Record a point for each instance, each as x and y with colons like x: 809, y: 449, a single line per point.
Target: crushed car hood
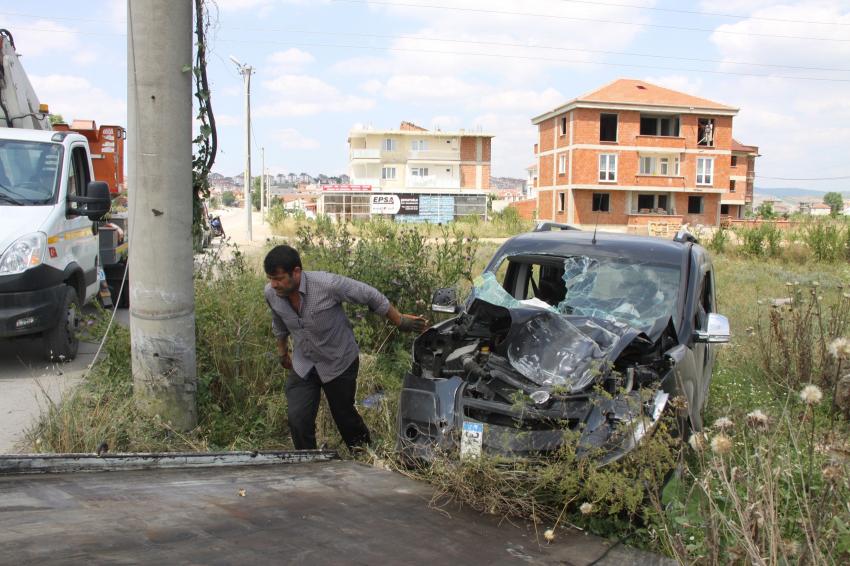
x: 548, y: 348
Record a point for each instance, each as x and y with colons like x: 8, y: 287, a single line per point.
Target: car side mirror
x: 445, y: 300
x: 716, y: 330
x: 96, y: 203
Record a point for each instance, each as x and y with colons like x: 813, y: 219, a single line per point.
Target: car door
x: 704, y: 353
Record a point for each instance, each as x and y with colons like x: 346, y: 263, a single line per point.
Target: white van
x: 49, y: 262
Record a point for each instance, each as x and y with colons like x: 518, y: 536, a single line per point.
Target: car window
x: 607, y: 288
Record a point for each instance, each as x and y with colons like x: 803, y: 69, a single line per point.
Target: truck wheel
x: 62, y: 341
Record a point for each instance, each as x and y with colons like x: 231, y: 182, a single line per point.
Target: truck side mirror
x: 445, y: 300
x: 716, y: 330
x: 96, y: 203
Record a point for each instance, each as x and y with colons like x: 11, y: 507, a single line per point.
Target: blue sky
x: 323, y: 66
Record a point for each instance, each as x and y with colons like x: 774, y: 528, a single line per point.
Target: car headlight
x: 26, y: 252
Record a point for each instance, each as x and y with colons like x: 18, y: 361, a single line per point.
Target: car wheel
x: 62, y: 341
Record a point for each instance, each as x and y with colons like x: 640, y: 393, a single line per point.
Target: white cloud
x: 236, y: 5
x: 528, y: 101
x: 41, y: 37
x: 412, y: 88
x: 76, y: 98
x: 801, y: 126
x: 290, y: 138
x: 304, y: 95
x: 84, y: 57
x: 291, y: 60
x: 227, y: 120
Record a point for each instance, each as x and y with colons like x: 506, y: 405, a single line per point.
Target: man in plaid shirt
x: 307, y: 306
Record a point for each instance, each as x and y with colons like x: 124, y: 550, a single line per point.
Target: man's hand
x: 285, y: 361
x: 412, y: 323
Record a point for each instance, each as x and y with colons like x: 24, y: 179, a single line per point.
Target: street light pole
x: 246, y: 71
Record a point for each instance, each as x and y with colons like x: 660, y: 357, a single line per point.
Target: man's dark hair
x: 281, y: 257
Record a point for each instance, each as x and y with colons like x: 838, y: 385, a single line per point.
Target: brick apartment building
x: 413, y: 174
x: 632, y: 154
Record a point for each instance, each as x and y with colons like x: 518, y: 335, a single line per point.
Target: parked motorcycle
x: 216, y: 226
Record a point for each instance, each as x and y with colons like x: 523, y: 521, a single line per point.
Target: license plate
x: 471, y: 440
x: 101, y: 274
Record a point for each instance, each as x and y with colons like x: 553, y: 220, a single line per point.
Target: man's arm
x: 406, y: 322
x: 283, y: 352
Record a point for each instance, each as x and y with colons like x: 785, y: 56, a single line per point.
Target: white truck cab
x: 48, y: 236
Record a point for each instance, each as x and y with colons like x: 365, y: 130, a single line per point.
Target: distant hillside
x: 504, y: 183
x: 793, y: 192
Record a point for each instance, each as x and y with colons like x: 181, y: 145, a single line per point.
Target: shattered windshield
x: 611, y: 289
x: 635, y: 293
x: 28, y: 172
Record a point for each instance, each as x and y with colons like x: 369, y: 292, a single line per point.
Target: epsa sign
x: 384, y: 204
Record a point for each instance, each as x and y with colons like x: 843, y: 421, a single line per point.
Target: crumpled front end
x: 521, y: 381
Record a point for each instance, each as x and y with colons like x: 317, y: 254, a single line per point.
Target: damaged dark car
x: 567, y: 336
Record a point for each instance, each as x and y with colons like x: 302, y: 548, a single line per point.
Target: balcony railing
x: 433, y: 181
x: 435, y: 154
x: 365, y: 153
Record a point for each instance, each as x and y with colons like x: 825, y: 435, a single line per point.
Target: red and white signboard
x: 384, y: 204
x: 347, y: 188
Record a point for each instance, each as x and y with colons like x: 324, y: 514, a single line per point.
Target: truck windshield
x: 29, y: 172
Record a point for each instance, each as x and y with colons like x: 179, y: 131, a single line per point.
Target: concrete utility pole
x: 246, y: 71
x: 162, y: 304
x: 263, y: 185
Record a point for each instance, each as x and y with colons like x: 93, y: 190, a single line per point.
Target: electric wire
x: 533, y: 46
x: 586, y: 19
x: 484, y: 43
x: 705, y: 13
x: 537, y: 58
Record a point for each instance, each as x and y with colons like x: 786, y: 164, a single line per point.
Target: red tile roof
x: 738, y: 146
x: 640, y: 92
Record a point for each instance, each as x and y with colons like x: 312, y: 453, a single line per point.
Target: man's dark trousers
x: 303, y: 395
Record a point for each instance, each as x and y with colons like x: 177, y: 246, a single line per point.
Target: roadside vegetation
x: 499, y: 224
x: 767, y: 482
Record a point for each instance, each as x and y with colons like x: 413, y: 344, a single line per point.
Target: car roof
x: 607, y: 244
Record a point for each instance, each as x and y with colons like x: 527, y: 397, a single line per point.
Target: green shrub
x: 826, y: 240
x: 394, y: 258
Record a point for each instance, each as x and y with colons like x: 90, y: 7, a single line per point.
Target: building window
x: 734, y: 161
x: 608, y: 167
x: 659, y: 166
x: 562, y: 126
x: 724, y: 209
x: 601, y: 202
x: 562, y: 164
x: 419, y: 171
x: 608, y: 127
x: 694, y: 205
x: 419, y: 145
x: 388, y: 173
x: 389, y: 144
x: 732, y: 186
x: 562, y: 202
x: 667, y: 126
x: 705, y: 131
x: 705, y: 170
x: 649, y: 202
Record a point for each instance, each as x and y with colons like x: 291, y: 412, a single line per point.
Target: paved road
x: 311, y: 513
x: 28, y: 382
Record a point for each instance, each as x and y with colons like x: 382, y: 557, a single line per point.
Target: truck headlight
x: 26, y: 252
